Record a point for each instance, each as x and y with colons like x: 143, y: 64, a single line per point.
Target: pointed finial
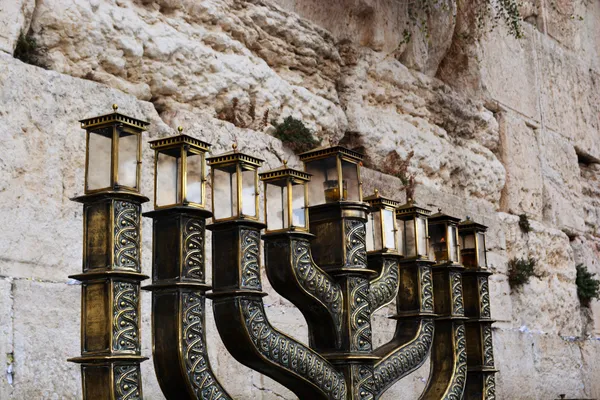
x: 285, y: 163
x: 468, y: 217
x: 439, y: 210
x: 234, y: 146
x: 115, y: 107
x: 180, y: 128
x: 376, y: 192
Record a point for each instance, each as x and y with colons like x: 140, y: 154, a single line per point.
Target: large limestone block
x: 549, y: 301
x: 46, y: 333
x: 509, y: 70
x: 569, y: 95
x: 514, y: 358
x: 212, y: 55
x: 15, y: 16
x: 587, y: 252
x: 590, y: 190
x: 43, y: 165
x: 561, y: 178
x: 520, y: 149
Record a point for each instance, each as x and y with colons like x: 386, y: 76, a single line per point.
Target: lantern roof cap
x: 284, y: 172
x: 411, y: 207
x: 112, y: 118
x: 441, y: 217
x: 377, y: 200
x: 232, y: 157
x: 323, y: 152
x: 179, y: 140
x: 470, y: 224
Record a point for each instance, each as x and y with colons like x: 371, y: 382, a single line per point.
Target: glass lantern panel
x: 481, y: 250
x: 452, y: 244
x: 99, y: 159
x: 400, y: 236
x: 193, y: 187
x: 468, y: 241
x: 410, y: 249
x: 422, y: 236
x: 350, y: 181
x: 390, y: 231
x: 298, y: 206
x: 323, y: 187
x: 128, y: 160
x: 167, y: 180
x: 377, y: 232
x: 224, y: 194
x: 369, y: 238
x: 438, y: 245
x: 276, y: 207
x: 249, y: 190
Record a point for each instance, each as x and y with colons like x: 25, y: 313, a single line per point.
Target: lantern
x: 412, y: 228
x: 179, y: 171
x: 113, y: 152
x: 335, y: 175
x: 286, y: 201
x: 472, y: 243
x: 234, y: 179
x: 382, y: 233
x: 443, y: 238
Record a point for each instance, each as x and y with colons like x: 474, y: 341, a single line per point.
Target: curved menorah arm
x: 244, y: 326
x: 384, y: 287
x: 178, y: 306
x: 295, y: 276
x: 448, y: 362
x: 406, y: 352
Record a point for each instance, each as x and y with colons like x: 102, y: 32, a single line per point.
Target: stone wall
x: 499, y: 127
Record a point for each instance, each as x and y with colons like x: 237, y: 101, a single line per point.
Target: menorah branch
x: 384, y: 287
x: 295, y: 276
x: 244, y: 327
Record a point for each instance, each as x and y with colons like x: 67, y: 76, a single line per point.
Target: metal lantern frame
x: 240, y: 162
x: 341, y: 155
x: 446, y: 221
x: 378, y: 205
x: 478, y: 231
x: 114, y: 125
x: 412, y: 212
x: 287, y: 178
x: 180, y: 146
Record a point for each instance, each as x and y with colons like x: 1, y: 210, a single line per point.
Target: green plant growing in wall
x: 28, y: 51
x: 588, y: 287
x: 520, y: 270
x: 295, y: 135
x: 524, y: 223
x: 488, y: 13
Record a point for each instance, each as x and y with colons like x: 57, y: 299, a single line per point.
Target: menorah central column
x: 340, y: 249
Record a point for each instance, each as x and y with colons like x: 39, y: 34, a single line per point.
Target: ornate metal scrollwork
x: 384, y: 288
x: 193, y: 249
x: 360, y: 314
x: 127, y: 238
x: 484, y: 294
x: 426, y: 289
x: 457, y: 294
x: 459, y: 376
x: 289, y: 354
x: 127, y: 382
x: 316, y: 282
x: 250, y: 259
x: 356, y: 247
x: 125, y: 321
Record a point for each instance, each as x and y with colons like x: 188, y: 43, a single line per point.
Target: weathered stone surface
x: 6, y: 338
x: 43, y: 344
x: 16, y: 16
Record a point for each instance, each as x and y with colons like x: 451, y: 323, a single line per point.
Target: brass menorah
x: 338, y: 259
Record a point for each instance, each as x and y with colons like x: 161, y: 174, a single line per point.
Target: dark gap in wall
x: 584, y: 158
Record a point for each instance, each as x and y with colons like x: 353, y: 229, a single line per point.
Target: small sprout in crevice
x: 588, y: 287
x: 397, y: 166
x: 28, y: 51
x: 524, y: 223
x: 520, y: 270
x: 295, y: 135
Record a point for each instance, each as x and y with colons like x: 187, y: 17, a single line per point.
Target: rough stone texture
x: 498, y: 127
x: 16, y: 15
